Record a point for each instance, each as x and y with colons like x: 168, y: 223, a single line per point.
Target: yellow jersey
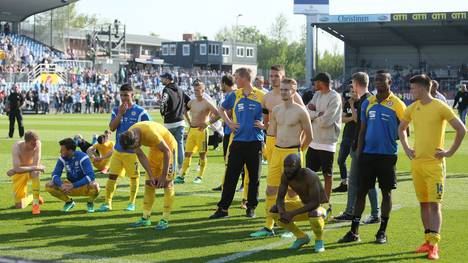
x: 104, y: 148
x: 429, y: 122
x: 153, y: 133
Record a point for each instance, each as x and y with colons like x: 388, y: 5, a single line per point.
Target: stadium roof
x: 19, y: 10
x: 394, y: 33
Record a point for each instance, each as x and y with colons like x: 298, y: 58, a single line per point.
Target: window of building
x: 213, y: 49
x: 186, y: 50
x: 249, y: 52
x: 172, y: 50
x: 240, y: 51
x: 226, y: 50
x: 202, y: 49
x: 165, y: 50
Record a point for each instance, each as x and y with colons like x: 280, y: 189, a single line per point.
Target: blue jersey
x: 227, y: 130
x: 382, y: 120
x: 245, y: 111
x: 133, y: 115
x: 79, y: 170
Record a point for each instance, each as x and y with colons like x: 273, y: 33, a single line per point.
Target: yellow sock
x: 434, y: 238
x: 291, y: 227
x: 427, y: 237
x: 317, y: 224
x: 148, y: 201
x: 168, y: 202
x: 55, y: 192
x: 27, y: 200
x: 93, y: 194
x: 203, y: 163
x: 270, y: 201
x: 36, y: 186
x: 185, y: 165
x: 245, y: 194
x: 110, y: 190
x: 134, y: 185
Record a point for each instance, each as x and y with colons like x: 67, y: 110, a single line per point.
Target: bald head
x: 292, y: 165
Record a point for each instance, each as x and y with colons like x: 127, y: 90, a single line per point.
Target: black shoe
x: 219, y: 214
x: 342, y: 188
x: 219, y: 188
x: 343, y: 217
x: 250, y: 212
x: 380, y: 238
x: 349, y: 237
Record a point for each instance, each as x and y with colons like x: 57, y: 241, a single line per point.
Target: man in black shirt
x: 461, y: 102
x: 173, y: 106
x: 15, y: 101
x: 349, y: 104
x: 360, y: 83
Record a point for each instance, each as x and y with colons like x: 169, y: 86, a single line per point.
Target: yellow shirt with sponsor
x: 104, y: 148
x: 153, y: 133
x: 429, y: 122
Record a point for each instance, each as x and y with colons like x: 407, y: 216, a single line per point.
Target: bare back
x: 289, y: 124
x: 200, y: 111
x: 308, y: 186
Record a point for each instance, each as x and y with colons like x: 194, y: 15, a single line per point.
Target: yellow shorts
x: 276, y: 164
x: 197, y: 141
x: 80, y: 191
x: 122, y: 163
x: 156, y: 158
x: 294, y: 205
x: 428, y: 180
x: 269, y: 146
x: 102, y: 164
x: 20, y: 186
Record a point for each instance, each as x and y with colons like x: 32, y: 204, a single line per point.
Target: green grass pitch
x: 191, y: 237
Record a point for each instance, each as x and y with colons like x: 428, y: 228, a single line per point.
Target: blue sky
x: 170, y: 19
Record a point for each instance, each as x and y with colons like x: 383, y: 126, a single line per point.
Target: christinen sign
x: 350, y: 18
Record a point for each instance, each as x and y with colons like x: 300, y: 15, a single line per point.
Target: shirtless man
x: 26, y: 156
x: 290, y: 124
x: 307, y: 185
x: 270, y: 100
x: 197, y: 138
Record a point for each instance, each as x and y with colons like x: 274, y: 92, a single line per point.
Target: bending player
x: 159, y: 165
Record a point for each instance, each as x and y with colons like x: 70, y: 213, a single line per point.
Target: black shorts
x: 377, y: 166
x: 317, y: 160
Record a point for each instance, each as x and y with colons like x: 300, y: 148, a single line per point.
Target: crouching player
x: 101, y: 153
x: 80, y: 177
x: 307, y: 185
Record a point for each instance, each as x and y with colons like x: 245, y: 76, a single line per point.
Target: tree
x: 331, y: 62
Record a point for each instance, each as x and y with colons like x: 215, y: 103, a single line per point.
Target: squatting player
x: 26, y: 156
x: 307, y: 185
x: 80, y: 177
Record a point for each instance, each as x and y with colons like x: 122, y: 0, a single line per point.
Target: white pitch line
x: 279, y: 243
